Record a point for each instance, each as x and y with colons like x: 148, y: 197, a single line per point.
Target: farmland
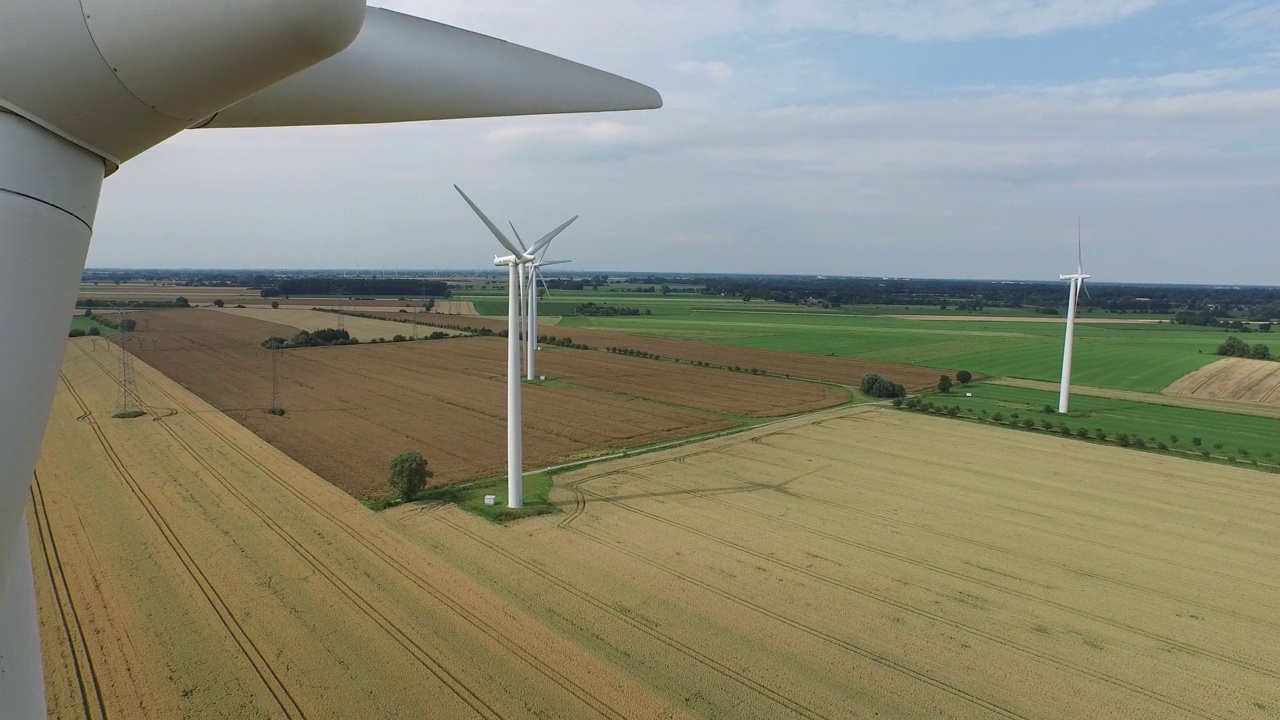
x: 856, y: 562
x: 1122, y: 355
x: 1239, y: 379
x: 1222, y: 433
x: 364, y: 329
x: 351, y: 409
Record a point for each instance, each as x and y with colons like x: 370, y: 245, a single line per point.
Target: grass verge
x: 470, y: 497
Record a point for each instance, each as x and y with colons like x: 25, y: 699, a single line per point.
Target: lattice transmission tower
x: 127, y: 399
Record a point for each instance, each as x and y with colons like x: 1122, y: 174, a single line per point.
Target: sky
x: 906, y: 138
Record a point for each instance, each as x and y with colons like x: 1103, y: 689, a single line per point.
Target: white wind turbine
x: 1077, y: 284
x: 86, y: 85
x: 534, y: 277
x: 520, y: 256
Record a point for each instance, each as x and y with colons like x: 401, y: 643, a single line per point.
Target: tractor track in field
x: 905, y: 607
x: 86, y: 673
x: 429, y: 662
x: 424, y: 658
x: 671, y: 642
x: 261, y: 666
x: 805, y: 628
x: 957, y: 538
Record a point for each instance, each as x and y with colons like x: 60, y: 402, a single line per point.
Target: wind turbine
x: 515, y: 262
x: 86, y: 85
x: 1077, y: 284
x: 535, y: 276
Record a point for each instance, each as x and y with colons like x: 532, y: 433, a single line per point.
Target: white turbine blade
x: 553, y: 262
x: 543, y: 280
x: 1085, y: 289
x: 403, y: 68
x: 545, y: 239
x: 489, y: 224
x: 519, y: 240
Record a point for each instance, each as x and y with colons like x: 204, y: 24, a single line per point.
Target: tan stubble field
x: 847, y: 564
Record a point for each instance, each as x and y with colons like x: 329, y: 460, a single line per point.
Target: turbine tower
x: 1077, y: 284
x: 531, y: 323
x: 86, y: 85
x: 515, y: 262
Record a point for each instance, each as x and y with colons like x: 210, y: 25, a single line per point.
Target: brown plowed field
x: 856, y: 563
x: 187, y: 569
x: 351, y: 409
x: 844, y: 371
x: 1239, y: 379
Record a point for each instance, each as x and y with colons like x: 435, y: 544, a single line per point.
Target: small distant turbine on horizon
x: 1077, y: 284
x: 520, y: 257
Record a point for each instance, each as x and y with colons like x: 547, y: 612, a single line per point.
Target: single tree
x: 944, y: 384
x: 1258, y: 351
x: 1196, y: 441
x: 181, y: 302
x: 275, y: 304
x: 964, y: 376
x: 218, y: 302
x: 408, y: 474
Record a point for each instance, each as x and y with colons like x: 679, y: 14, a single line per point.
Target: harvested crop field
x: 363, y: 329
x: 1238, y: 379
x: 873, y: 561
x: 856, y: 563
x: 187, y: 569
x: 351, y: 409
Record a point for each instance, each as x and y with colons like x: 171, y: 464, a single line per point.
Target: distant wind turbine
x: 1077, y: 284
x: 531, y: 323
x: 515, y: 262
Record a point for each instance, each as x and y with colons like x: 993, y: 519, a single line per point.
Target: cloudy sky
x: 924, y: 138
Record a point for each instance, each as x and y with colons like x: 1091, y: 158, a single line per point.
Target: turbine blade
x: 545, y: 239
x: 489, y: 224
x: 543, y: 280
x: 1079, y: 249
x: 404, y: 68
x: 553, y: 262
x: 519, y: 240
x: 1085, y: 289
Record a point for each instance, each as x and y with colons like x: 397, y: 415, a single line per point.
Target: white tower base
x: 531, y: 340
x: 48, y: 197
x: 1068, y: 348
x: 515, y: 449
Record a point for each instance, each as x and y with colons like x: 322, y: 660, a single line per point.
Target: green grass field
x: 1234, y: 432
x: 1142, y: 357
x: 81, y: 322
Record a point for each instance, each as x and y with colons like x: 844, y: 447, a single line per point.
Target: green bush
x: 963, y: 377
x: 407, y: 474
x: 944, y: 384
x: 76, y: 332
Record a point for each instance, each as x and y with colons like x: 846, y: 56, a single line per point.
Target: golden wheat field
x: 851, y: 563
x: 1240, y: 379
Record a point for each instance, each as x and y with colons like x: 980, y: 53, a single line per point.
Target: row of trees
x: 307, y: 338
x: 593, y: 309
